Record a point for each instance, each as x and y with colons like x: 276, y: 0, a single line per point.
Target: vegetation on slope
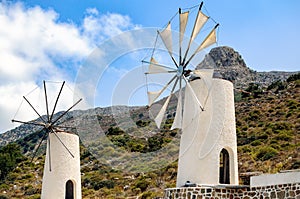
x: 268, y: 126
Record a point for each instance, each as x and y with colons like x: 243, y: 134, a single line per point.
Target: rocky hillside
x: 267, y: 120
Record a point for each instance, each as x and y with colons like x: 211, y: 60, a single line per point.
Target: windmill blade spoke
x: 62, y: 142
x: 152, y: 96
x: 206, y: 75
x: 33, y: 108
x: 41, y: 141
x: 209, y: 40
x: 193, y: 93
x: 155, y: 68
x: 33, y: 123
x: 49, y: 152
x: 56, y: 101
x: 166, y: 36
x: 158, y: 119
x: 200, y: 21
x: 66, y: 112
x: 46, y: 100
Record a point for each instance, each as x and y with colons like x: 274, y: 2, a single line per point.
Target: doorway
x: 224, y: 177
x: 69, y: 190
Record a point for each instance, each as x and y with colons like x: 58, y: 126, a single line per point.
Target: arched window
x: 69, y: 190
x: 224, y: 167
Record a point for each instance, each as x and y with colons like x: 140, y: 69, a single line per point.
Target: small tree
x: 10, y: 156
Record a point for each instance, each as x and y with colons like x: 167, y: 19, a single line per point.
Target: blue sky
x: 265, y: 32
x: 51, y: 39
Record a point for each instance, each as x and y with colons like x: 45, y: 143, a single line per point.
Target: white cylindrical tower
x: 208, y: 147
x: 64, y: 179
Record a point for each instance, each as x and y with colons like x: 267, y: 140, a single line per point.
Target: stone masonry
x: 280, y: 191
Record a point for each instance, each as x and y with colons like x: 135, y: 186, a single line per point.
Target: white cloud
x: 36, y: 45
x: 109, y: 24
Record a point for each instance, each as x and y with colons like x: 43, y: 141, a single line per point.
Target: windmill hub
x: 47, y: 125
x: 180, y: 70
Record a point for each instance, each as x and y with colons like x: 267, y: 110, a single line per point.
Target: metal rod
x: 49, y: 152
x: 170, y: 53
x: 180, y: 58
x: 36, y: 150
x: 174, y: 61
x: 56, y: 100
x: 164, y: 88
x: 66, y: 112
x: 196, y: 51
x: 62, y: 143
x: 148, y: 62
x: 46, y: 99
x: 194, y: 94
x: 36, y: 124
x: 33, y: 108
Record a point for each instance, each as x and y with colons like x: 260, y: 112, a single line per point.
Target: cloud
x: 35, y: 45
x: 109, y: 25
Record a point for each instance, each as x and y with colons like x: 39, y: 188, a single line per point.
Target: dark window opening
x: 69, y: 190
x: 224, y: 167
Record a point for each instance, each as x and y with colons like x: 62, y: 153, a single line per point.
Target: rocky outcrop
x: 229, y: 64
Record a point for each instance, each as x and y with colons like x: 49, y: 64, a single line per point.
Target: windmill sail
x: 183, y: 73
x: 161, y: 113
x: 209, y: 40
x: 166, y: 36
x: 154, y: 67
x: 207, y: 75
x: 178, y: 117
x: 152, y: 96
x: 183, y: 19
x: 199, y: 23
x: 158, y: 119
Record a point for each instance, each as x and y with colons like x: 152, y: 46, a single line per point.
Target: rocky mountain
x: 229, y: 64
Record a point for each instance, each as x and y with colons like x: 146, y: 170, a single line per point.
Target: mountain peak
x: 225, y: 56
x: 228, y: 64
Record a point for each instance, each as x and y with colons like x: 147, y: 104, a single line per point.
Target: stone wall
x: 281, y: 191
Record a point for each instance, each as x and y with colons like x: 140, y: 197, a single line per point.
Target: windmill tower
x: 204, y: 113
x: 61, y: 178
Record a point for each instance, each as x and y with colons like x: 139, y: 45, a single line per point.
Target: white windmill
x: 61, y: 178
x: 205, y: 112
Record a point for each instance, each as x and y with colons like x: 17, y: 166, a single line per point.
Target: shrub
x: 105, y: 183
x: 114, y: 131
x: 283, y: 136
x: 155, y: 143
x: 266, y: 153
x: 255, y: 143
x: 142, y: 123
x: 293, y: 77
x: 148, y: 195
x: 142, y: 184
x: 278, y: 85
